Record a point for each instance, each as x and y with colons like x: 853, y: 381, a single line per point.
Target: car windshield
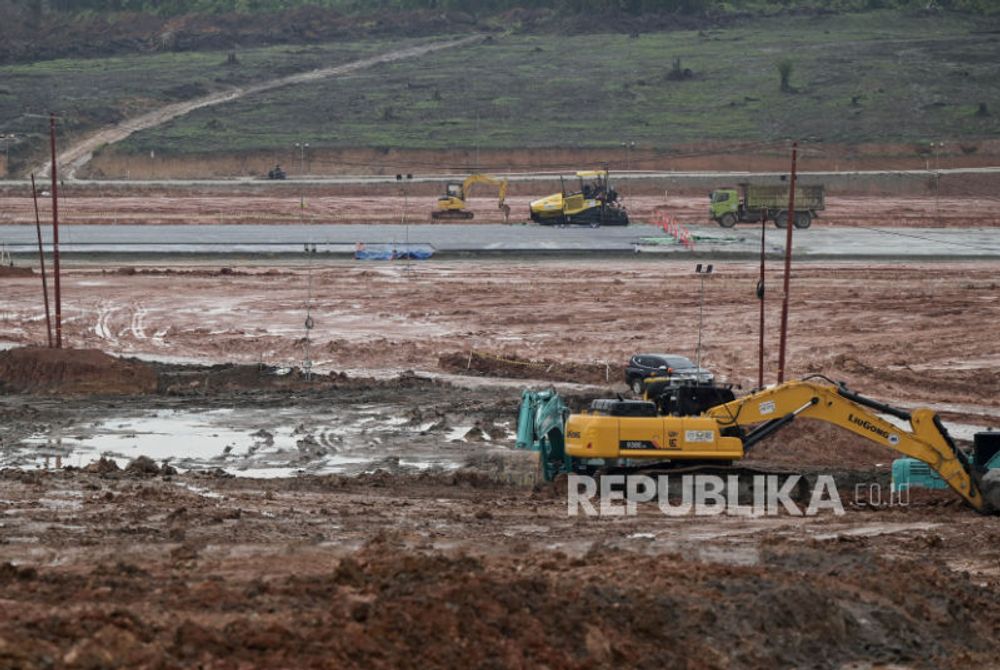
x: 674, y: 362
x: 720, y: 196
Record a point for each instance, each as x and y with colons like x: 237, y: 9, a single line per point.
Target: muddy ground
x: 946, y: 211
x: 145, y: 566
x: 135, y: 569
x: 386, y: 521
x: 909, y: 332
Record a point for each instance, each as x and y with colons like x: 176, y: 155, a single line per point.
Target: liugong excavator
x: 452, y: 206
x: 707, y: 425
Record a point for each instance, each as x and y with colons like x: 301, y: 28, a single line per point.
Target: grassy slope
x: 920, y: 78
x: 90, y: 93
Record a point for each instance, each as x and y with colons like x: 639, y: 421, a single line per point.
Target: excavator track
x: 452, y: 215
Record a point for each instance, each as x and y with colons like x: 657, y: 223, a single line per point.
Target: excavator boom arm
x: 474, y: 179
x: 925, y: 439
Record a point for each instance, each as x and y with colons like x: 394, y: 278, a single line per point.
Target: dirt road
x: 77, y: 155
x: 842, y: 211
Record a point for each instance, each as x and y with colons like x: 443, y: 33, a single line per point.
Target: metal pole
x: 702, y: 272
x: 302, y: 169
x: 41, y: 261
x: 406, y: 227
x: 790, y: 223
x: 307, y: 361
x: 937, y: 182
x: 701, y: 317
x: 760, y: 296
x: 55, y: 231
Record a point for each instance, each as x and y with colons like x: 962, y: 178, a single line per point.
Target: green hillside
x: 875, y: 77
x: 91, y: 93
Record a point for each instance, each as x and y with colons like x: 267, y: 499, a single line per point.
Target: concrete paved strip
x: 818, y: 241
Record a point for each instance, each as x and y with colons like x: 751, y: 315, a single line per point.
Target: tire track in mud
x: 138, y: 326
x: 103, y: 327
x: 80, y: 153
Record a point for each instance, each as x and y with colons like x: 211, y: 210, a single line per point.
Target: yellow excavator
x: 452, y: 206
x: 696, y: 425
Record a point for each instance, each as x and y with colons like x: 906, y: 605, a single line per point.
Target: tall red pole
x: 789, y: 224
x: 760, y: 296
x: 55, y: 231
x: 41, y: 261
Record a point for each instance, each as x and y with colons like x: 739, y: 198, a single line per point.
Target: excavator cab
x: 680, y: 399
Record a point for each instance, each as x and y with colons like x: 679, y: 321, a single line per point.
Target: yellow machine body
x: 714, y: 435
x: 663, y: 438
x: 558, y: 204
x: 593, y: 203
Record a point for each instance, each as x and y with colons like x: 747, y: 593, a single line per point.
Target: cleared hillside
x: 90, y: 93
x: 880, y: 77
x: 894, y: 78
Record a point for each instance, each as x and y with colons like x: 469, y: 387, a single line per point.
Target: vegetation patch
x: 876, y: 77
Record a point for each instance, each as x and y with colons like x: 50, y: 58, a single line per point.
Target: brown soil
x: 822, y: 446
x: 72, y: 372
x: 515, y: 367
x: 712, y: 157
x: 198, y: 380
x: 108, y: 567
x: 15, y: 271
x: 907, y: 332
x: 947, y: 209
x: 133, y: 569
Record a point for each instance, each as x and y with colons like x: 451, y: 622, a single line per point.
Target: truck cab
x: 723, y: 202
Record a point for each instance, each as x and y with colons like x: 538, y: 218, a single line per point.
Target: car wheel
x: 637, y: 386
x: 727, y: 220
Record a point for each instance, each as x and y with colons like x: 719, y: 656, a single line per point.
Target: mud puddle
x: 262, y: 442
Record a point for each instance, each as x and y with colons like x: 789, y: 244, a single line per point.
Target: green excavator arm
x: 540, y: 428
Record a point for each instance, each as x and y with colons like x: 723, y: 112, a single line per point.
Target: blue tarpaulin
x: 393, y: 253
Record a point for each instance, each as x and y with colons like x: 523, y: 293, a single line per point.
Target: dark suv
x: 669, y: 366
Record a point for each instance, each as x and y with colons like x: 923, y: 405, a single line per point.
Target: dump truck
x: 748, y: 203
